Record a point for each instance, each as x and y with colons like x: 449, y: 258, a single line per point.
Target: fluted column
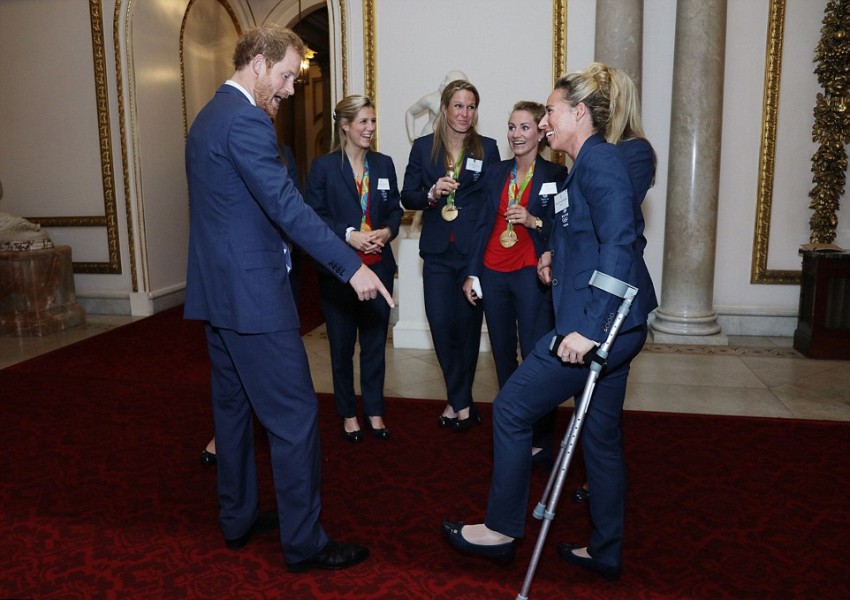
x: 619, y: 35
x: 687, y: 313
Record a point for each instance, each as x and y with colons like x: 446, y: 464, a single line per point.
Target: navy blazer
x: 242, y: 204
x: 597, y: 231
x: 422, y: 172
x: 332, y: 193
x: 539, y: 204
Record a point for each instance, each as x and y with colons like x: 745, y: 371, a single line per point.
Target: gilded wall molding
x: 767, y: 153
x: 109, y: 219
x: 369, y: 52
x: 125, y: 169
x: 343, y: 43
x: 559, y: 39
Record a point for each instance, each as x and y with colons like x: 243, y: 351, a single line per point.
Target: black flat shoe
x: 473, y: 419
x: 543, y: 459
x: 446, y: 422
x: 609, y: 572
x: 581, y: 494
x: 266, y: 521
x: 208, y: 458
x: 502, y: 553
x: 353, y: 436
x: 382, y: 434
x: 333, y: 556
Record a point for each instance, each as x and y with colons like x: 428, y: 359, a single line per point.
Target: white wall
x: 50, y: 155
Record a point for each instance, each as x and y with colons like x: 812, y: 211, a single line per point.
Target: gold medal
x: 449, y: 212
x: 508, y: 238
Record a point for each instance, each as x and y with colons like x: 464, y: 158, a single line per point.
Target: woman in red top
x: 511, y: 234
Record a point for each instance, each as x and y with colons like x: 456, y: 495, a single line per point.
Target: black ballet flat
x: 382, y: 434
x: 501, y: 553
x: 447, y: 422
x: 543, y: 459
x: 463, y: 424
x: 352, y: 436
x: 208, y: 458
x: 581, y: 494
x: 609, y: 572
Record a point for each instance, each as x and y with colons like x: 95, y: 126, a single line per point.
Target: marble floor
x: 753, y: 376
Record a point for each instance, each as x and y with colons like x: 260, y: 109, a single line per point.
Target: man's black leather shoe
x: 266, y: 521
x: 333, y: 556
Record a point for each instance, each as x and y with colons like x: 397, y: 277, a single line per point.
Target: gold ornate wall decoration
x: 369, y: 53
x: 109, y: 220
x: 343, y: 39
x: 832, y: 121
x: 232, y: 14
x: 559, y: 39
x: 759, y: 272
x: 125, y: 169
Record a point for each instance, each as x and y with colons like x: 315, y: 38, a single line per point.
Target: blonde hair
x: 591, y: 88
x: 345, y: 112
x: 472, y: 142
x: 625, y: 122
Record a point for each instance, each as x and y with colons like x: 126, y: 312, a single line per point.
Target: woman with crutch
x: 594, y: 230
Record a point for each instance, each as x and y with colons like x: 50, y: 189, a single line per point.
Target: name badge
x: 474, y: 165
x: 548, y: 188
x: 383, y: 183
x: 562, y: 201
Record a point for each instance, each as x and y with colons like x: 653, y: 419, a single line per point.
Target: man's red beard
x: 265, y: 97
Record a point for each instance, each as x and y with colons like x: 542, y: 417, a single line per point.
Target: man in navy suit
x: 244, y: 208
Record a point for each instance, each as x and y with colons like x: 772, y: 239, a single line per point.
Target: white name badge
x: 562, y: 201
x: 548, y: 188
x: 474, y: 165
x: 383, y: 183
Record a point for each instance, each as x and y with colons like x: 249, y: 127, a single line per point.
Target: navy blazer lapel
x: 347, y: 174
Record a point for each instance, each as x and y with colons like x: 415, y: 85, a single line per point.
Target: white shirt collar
x: 243, y: 90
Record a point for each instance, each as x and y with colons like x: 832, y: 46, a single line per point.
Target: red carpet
x: 102, y: 495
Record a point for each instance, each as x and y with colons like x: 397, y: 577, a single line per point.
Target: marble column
x: 619, y: 35
x: 686, y: 314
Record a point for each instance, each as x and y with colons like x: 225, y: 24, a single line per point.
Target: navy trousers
x: 267, y: 375
x: 345, y: 317
x: 541, y: 383
x: 518, y: 308
x: 455, y: 324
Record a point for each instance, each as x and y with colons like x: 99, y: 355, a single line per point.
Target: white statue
x: 428, y: 104
x: 17, y: 233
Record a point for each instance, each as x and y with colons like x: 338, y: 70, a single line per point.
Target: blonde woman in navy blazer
x: 512, y: 234
x: 594, y: 230
x: 444, y: 179
x: 355, y: 191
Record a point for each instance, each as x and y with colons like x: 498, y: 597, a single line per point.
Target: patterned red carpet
x: 102, y: 495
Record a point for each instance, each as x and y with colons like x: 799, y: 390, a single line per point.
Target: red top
x: 522, y: 254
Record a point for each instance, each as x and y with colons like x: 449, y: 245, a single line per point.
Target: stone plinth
x: 37, y: 295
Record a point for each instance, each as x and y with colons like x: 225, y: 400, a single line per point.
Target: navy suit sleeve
x: 393, y: 210
x: 606, y: 186
x: 253, y: 149
x: 414, y: 193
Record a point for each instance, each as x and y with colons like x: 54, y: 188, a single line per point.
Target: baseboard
x: 133, y: 304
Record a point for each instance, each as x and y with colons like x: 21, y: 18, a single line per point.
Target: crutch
x: 546, y: 510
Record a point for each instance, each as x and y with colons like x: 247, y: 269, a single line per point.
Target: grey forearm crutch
x: 546, y: 510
